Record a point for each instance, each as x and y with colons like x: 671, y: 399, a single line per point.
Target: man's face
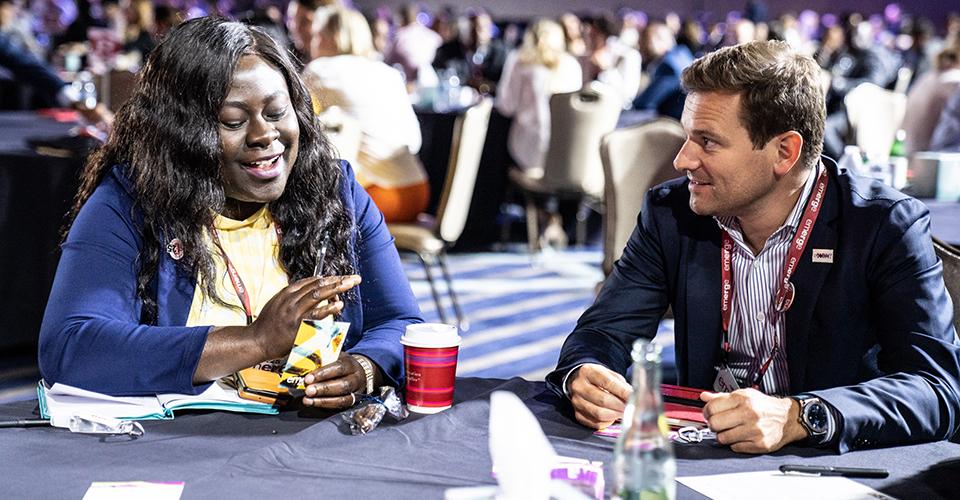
x: 727, y: 176
x: 299, y: 20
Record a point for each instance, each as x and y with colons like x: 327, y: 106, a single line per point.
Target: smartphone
x: 261, y: 385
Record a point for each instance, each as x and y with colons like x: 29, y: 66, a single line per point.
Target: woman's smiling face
x: 259, y: 135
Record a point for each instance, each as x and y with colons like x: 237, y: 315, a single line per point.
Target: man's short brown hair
x: 779, y: 91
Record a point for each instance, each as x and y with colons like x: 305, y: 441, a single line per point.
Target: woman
x: 538, y: 69
x: 344, y: 74
x: 216, y: 162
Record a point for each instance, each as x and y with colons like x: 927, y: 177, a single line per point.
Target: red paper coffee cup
x: 430, y: 360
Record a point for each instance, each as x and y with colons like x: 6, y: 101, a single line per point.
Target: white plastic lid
x: 431, y: 335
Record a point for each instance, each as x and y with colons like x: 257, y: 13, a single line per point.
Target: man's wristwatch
x: 815, y: 418
x: 367, y: 366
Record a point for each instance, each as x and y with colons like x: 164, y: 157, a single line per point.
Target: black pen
x: 25, y: 422
x: 824, y: 470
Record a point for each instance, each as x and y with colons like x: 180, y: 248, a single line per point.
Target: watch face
x: 815, y: 416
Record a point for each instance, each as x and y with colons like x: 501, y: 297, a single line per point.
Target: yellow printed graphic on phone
x: 318, y: 344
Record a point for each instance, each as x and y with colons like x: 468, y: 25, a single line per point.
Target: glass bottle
x: 898, y: 161
x: 643, y: 462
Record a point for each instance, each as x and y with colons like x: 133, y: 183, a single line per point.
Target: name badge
x: 823, y: 255
x: 725, y: 381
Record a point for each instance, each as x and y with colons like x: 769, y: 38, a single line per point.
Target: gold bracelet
x: 367, y: 366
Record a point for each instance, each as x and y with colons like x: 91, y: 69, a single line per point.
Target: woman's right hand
x: 310, y: 298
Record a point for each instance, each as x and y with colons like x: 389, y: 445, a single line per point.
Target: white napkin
x: 522, y: 455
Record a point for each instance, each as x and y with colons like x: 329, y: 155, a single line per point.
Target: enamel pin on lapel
x: 823, y: 255
x: 175, y: 249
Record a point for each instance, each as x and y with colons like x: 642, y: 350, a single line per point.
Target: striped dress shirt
x: 755, y: 325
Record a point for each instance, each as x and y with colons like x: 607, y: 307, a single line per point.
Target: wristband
x: 367, y: 366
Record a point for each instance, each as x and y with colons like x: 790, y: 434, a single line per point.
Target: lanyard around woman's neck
x: 235, y: 279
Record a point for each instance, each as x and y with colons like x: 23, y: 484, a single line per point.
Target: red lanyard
x: 238, y: 285
x: 783, y: 299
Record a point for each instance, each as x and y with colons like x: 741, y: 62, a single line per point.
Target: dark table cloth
x: 945, y: 220
x: 292, y: 455
x: 35, y: 193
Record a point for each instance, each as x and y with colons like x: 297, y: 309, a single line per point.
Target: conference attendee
x: 477, y: 58
x: 345, y: 74
x: 27, y: 69
x: 667, y: 60
x: 856, y: 62
x: 78, y: 30
x: 16, y: 24
x: 573, y: 34
x: 928, y: 98
x: 609, y: 61
x: 300, y: 21
x: 946, y: 135
x: 138, y: 36
x: 534, y: 72
x: 198, y: 227
x: 808, y: 302
x: 413, y: 46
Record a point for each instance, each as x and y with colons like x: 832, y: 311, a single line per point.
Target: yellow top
x: 254, y: 250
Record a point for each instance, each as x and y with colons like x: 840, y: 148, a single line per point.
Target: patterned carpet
x: 520, y: 310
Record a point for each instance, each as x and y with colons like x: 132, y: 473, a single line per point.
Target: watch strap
x: 367, y: 366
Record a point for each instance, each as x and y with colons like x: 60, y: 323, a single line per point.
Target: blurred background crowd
x: 361, y: 58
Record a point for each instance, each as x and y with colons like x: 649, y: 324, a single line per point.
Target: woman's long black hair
x: 167, y: 135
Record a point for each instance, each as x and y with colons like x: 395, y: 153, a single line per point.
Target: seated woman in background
x: 540, y: 68
x: 217, y: 163
x: 344, y: 74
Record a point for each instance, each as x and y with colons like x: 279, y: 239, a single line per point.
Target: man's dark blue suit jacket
x: 870, y: 333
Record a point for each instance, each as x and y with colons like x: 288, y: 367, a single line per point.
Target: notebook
x: 61, y: 401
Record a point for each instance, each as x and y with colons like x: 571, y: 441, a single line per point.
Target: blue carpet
x: 520, y: 309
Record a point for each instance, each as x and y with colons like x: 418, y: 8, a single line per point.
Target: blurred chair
x: 950, y: 256
x: 430, y: 238
x: 634, y: 160
x: 115, y: 88
x: 875, y: 115
x: 572, y: 169
x: 343, y: 132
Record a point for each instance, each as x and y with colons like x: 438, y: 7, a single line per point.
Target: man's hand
x: 752, y: 422
x: 598, y: 394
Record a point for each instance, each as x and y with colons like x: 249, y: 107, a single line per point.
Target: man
x: 609, y: 61
x: 667, y: 60
x: 478, y: 59
x: 299, y: 20
x: 859, y: 333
